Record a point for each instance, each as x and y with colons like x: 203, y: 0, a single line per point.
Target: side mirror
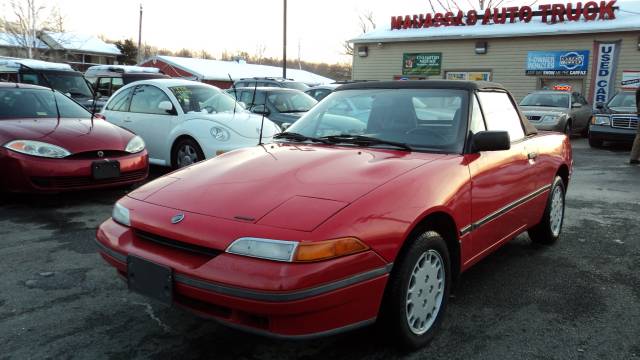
x: 490, y: 141
x: 260, y: 109
x: 285, y: 126
x: 167, y: 106
x: 599, y: 105
x: 576, y: 105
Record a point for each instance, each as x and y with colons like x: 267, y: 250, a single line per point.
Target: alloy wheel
x: 187, y: 155
x: 557, y: 211
x: 425, y: 292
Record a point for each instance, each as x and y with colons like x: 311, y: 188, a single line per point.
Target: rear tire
x: 568, y: 129
x: 548, y: 230
x: 417, y: 293
x: 186, y: 152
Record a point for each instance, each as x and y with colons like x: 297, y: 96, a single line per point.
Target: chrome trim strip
x: 114, y: 254
x: 503, y: 210
x: 288, y: 296
x: 269, y: 334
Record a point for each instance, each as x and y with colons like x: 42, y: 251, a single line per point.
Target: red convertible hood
x: 279, y: 180
x: 75, y: 135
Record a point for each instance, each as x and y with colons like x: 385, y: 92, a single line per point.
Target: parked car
x: 184, y: 121
x: 340, y: 223
x: 558, y: 111
x: 282, y: 106
x: 271, y: 82
x: 321, y: 91
x: 107, y: 79
x: 616, y: 121
x: 53, y: 75
x: 52, y: 144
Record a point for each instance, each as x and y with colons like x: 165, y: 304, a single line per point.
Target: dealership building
x: 592, y: 48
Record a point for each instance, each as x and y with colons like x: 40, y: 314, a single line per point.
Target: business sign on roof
x: 572, y: 63
x: 548, y: 13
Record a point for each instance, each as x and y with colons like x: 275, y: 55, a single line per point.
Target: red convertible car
x: 49, y: 143
x: 346, y: 219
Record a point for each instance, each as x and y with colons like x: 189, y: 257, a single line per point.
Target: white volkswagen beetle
x: 184, y: 121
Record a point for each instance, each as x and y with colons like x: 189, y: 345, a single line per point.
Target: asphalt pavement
x: 578, y: 299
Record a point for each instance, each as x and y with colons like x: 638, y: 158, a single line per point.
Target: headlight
x: 135, y: 145
x: 294, y: 251
x: 120, y: 214
x: 219, y: 133
x: 600, y: 120
x: 551, y: 119
x: 37, y: 148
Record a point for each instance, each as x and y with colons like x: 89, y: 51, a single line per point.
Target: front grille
x: 161, y: 240
x: 624, y: 122
x: 66, y: 182
x: 106, y: 154
x: 533, y: 117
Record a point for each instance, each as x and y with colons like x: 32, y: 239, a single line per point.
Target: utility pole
x: 284, y: 42
x: 140, y: 37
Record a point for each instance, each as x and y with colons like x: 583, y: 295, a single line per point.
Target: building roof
x: 10, y: 40
x: 205, y: 69
x: 627, y: 19
x: 80, y: 43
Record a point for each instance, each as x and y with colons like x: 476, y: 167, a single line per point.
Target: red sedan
x: 49, y: 143
x: 351, y: 216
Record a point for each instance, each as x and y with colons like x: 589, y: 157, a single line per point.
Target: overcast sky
x: 320, y: 26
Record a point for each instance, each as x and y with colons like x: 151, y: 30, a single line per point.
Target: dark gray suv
x: 282, y: 106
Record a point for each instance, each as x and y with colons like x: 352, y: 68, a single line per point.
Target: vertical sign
x: 604, y: 74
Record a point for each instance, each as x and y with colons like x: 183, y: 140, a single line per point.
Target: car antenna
x: 253, y: 100
x: 55, y: 101
x: 235, y: 94
x: 93, y: 103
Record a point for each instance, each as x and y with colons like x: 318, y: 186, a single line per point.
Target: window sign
x: 630, y: 79
x: 421, y: 64
x: 574, y: 62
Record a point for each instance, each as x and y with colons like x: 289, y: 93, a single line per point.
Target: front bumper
x: 608, y: 133
x: 271, y: 298
x: 25, y: 173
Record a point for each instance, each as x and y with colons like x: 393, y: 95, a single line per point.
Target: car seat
x: 392, y: 113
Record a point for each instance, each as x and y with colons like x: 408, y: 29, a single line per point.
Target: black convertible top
x: 423, y: 84
x: 438, y: 84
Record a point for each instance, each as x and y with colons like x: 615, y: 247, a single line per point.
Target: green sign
x: 421, y: 64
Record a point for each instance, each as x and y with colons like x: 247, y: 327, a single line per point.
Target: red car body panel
x: 83, y: 138
x: 378, y: 196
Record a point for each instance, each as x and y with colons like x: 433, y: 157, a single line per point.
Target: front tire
x: 568, y: 129
x: 548, y: 230
x: 418, y: 292
x: 186, y: 152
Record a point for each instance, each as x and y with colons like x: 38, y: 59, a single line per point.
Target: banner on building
x: 421, y: 64
x: 554, y: 63
x: 630, y: 79
x: 605, y: 61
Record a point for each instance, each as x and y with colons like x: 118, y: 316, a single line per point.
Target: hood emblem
x: 100, y: 153
x: 177, y: 218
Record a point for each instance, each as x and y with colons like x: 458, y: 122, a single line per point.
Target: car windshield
x: 202, y: 98
x: 291, y: 101
x: 546, y: 100
x: 72, y: 84
x: 422, y: 119
x: 624, y: 99
x: 297, y: 85
x: 17, y: 103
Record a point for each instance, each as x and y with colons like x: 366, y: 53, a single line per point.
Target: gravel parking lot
x: 579, y: 299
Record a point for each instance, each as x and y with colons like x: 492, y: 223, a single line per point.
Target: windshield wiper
x: 364, y: 141
x: 299, y: 137
x: 293, y: 111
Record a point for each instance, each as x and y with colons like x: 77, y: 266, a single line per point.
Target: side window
x: 121, y: 101
x: 29, y: 79
x: 477, y: 121
x: 104, y: 86
x: 116, y: 83
x: 146, y: 99
x: 500, y: 114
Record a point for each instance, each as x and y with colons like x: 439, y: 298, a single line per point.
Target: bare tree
x: 261, y: 48
x: 29, y: 18
x: 367, y: 23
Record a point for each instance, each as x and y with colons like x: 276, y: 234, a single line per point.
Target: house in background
x: 79, y: 51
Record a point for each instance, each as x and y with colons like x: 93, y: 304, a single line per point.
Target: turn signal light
x: 323, y: 250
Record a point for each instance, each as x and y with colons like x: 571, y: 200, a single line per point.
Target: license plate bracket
x: 106, y: 169
x: 150, y: 279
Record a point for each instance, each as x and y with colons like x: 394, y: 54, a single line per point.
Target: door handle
x: 532, y: 155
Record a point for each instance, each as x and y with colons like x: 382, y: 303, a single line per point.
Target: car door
x: 152, y: 123
x: 581, y: 112
x: 502, y: 181
x: 117, y: 108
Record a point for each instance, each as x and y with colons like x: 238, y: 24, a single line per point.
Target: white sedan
x: 183, y: 121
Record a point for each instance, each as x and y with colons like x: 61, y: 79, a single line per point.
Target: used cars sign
x: 564, y: 63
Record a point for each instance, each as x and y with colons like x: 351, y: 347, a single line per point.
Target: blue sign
x: 574, y: 62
